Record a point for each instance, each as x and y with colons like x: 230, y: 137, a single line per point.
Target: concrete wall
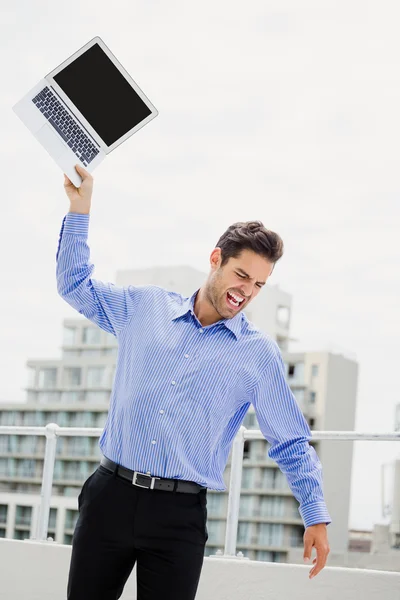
x: 382, y: 561
x: 45, y: 572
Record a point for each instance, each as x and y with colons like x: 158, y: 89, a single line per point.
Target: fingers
x: 319, y: 561
x: 82, y: 172
x: 308, y: 544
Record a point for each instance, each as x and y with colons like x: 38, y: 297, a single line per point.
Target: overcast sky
x: 283, y: 111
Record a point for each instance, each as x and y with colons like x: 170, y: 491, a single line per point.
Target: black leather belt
x: 152, y: 483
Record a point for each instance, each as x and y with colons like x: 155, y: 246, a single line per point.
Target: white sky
x: 283, y: 111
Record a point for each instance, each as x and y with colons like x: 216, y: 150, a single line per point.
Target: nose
x: 247, y: 290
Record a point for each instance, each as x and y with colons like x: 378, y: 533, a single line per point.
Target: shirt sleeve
x: 105, y: 304
x: 283, y: 425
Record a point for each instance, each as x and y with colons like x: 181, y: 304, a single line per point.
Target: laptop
x: 85, y: 108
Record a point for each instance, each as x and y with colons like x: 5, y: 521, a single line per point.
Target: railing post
x: 47, y: 482
x: 235, y: 486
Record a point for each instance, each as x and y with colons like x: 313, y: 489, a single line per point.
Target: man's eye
x: 241, y: 276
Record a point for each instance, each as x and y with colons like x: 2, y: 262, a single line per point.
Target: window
x: 246, y: 446
x: 26, y: 467
x: 313, y: 397
x: 52, y: 518
x: 250, y: 421
x: 96, y: 376
x: 81, y: 419
x: 274, y: 479
x: 314, y: 370
x: 3, y: 513
x: 71, y: 517
x: 78, y: 446
x: 7, y: 417
x: 70, y: 397
x: 27, y: 444
x: 272, y: 506
x: 101, y: 419
x: 247, y: 478
x: 296, y: 537
x: 268, y: 478
x: 296, y: 372
x: 271, y: 534
x: 72, y: 376
x: 21, y: 535
x: 216, y: 531
x: 264, y: 555
x: 48, y: 397
x: 23, y: 515
x: 69, y: 336
x: 216, y: 504
x: 243, y: 535
x: 47, y: 378
x: 67, y: 539
x: 245, y: 506
x: 91, y: 335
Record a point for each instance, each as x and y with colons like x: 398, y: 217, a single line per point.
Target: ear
x: 215, y: 258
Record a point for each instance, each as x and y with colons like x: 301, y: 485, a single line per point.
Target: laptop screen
x: 102, y: 94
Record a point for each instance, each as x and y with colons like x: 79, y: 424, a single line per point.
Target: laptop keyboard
x: 66, y: 126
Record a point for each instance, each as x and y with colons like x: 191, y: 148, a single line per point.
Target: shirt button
x: 153, y: 442
x: 201, y: 330
x: 173, y: 382
x: 148, y: 472
x: 186, y: 355
x: 162, y: 412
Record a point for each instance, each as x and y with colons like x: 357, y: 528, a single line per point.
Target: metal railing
x: 52, y: 431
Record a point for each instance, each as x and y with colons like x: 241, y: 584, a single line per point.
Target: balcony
x: 225, y: 575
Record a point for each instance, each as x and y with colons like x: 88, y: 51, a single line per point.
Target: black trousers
x: 120, y: 525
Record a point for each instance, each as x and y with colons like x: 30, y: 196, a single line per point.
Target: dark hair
x: 250, y: 235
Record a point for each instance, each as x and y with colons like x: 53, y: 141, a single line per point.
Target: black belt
x: 149, y: 482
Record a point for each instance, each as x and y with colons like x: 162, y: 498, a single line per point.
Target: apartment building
x: 74, y: 391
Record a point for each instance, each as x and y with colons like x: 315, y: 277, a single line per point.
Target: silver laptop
x: 85, y: 108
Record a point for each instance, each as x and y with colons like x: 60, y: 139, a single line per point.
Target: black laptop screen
x: 102, y: 94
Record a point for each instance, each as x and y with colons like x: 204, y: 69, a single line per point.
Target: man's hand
x: 80, y: 198
x: 316, y: 536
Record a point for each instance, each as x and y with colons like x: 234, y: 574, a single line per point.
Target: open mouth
x: 233, y: 300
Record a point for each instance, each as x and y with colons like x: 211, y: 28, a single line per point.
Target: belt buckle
x: 136, y: 473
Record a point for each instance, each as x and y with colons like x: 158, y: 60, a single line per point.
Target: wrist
x: 78, y: 211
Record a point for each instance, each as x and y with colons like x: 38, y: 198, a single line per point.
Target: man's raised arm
x: 106, y: 304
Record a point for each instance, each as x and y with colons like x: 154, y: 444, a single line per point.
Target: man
x: 187, y: 372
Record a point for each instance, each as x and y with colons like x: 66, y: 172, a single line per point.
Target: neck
x: 204, y: 310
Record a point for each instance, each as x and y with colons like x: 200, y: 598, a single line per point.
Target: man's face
x: 241, y: 279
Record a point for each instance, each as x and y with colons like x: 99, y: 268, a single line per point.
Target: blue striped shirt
x: 181, y: 390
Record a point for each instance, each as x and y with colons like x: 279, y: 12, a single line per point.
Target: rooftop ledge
x: 45, y: 566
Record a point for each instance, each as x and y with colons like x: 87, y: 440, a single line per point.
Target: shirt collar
x: 234, y: 324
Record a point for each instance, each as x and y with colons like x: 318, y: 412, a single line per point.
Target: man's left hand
x: 316, y: 536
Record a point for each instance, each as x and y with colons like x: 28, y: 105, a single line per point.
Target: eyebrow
x: 248, y: 276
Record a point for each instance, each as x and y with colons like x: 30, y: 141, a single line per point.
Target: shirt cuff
x: 76, y: 223
x: 314, y: 513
